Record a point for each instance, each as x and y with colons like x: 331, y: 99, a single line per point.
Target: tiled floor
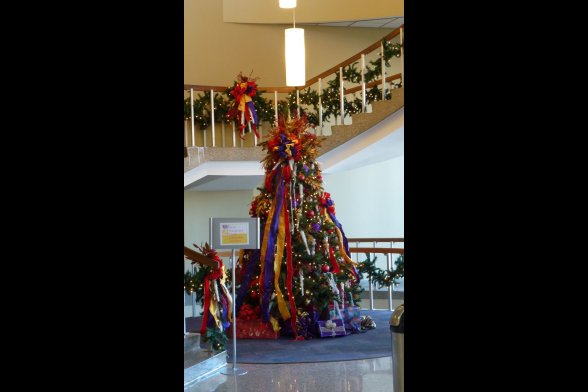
x: 373, y: 375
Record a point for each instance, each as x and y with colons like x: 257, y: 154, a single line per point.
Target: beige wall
x: 310, y: 11
x: 215, y: 51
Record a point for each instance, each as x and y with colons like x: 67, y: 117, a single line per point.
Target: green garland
x: 308, y: 97
x: 194, y: 283
x: 383, y: 278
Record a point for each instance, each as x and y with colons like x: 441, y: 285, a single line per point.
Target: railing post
x: 192, y: 115
x: 185, y: 133
x: 389, y: 264
x: 383, y: 72
x: 184, y: 310
x: 362, y: 83
x: 212, y: 115
x: 234, y: 142
x: 276, y: 106
x: 402, y: 56
x: 320, y: 94
x: 193, y: 294
x: 298, y: 102
x: 223, y: 132
x: 341, y: 95
x: 372, y: 286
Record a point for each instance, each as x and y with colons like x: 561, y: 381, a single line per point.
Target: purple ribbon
x: 268, y: 274
x: 251, y: 107
x: 225, y: 312
x: 345, y: 243
x: 336, y: 222
x: 249, y: 270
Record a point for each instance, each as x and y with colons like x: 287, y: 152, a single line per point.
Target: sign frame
x: 234, y: 233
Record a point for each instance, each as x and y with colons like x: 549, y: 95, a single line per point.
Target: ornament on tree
x: 243, y: 109
x: 325, y: 268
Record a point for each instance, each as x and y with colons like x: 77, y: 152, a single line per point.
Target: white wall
x: 369, y: 201
x: 200, y: 206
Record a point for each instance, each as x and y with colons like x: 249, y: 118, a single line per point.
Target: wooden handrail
x: 198, y: 87
x: 311, y: 81
x: 399, y: 251
x: 200, y: 258
x: 372, y: 84
x: 353, y: 58
x: 221, y: 89
x: 375, y: 239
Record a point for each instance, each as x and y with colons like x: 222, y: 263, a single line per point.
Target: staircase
x: 199, y: 363
x: 245, y: 160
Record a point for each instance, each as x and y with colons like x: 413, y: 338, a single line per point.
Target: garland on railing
x: 308, y: 97
x: 379, y: 276
x: 210, y: 287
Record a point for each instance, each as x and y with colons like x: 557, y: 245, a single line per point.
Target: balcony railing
x: 327, y: 99
x: 391, y: 247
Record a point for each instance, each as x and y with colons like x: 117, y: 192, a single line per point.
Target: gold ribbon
x: 341, y: 243
x: 222, y: 281
x: 275, y: 324
x: 213, y: 306
x: 278, y: 266
x: 244, y: 98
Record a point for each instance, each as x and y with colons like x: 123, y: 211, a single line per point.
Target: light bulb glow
x: 295, y: 57
x: 287, y: 3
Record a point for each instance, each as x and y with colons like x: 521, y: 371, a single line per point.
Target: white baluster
x: 341, y: 94
x: 363, y: 83
x: 192, y: 115
x: 212, y: 115
x: 383, y: 72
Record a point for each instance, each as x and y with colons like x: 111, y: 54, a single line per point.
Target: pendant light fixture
x: 295, y: 51
x: 287, y: 3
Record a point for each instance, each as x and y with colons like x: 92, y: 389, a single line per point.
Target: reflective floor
x: 373, y: 375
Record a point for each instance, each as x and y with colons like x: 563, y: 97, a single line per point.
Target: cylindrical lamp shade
x: 287, y: 3
x: 295, y: 57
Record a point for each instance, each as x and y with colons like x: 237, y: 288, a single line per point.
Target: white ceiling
x: 388, y: 23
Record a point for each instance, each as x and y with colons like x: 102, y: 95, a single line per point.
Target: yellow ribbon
x: 222, y: 280
x: 266, y: 231
x: 341, y: 243
x: 213, y: 308
x: 278, y: 266
x: 244, y: 98
x: 275, y: 324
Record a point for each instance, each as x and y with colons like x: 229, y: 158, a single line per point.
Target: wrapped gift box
x: 331, y: 328
x: 333, y: 314
x: 350, y: 314
x: 254, y: 329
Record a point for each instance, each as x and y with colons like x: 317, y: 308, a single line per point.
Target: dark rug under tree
x: 373, y: 343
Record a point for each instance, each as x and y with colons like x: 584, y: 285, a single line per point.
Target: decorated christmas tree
x: 303, y: 272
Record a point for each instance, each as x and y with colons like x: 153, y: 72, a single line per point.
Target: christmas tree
x: 304, y: 264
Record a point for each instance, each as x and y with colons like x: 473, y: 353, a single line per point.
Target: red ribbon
x: 215, y: 274
x: 334, y: 263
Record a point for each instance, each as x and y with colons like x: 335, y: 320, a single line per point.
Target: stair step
x: 201, y: 364
x: 191, y: 341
